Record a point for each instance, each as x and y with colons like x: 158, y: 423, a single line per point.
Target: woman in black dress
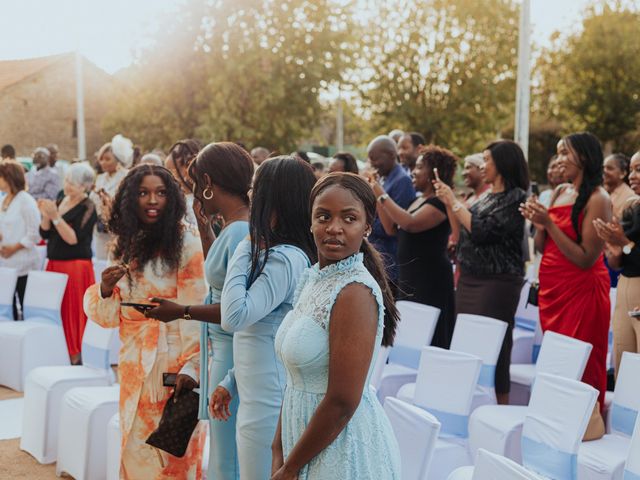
x: 423, y: 230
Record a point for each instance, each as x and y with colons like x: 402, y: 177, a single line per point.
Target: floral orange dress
x: 149, y: 348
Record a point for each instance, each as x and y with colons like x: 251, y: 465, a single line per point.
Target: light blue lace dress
x: 366, y: 448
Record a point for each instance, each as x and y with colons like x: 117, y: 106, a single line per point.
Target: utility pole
x: 82, y: 147
x: 523, y: 82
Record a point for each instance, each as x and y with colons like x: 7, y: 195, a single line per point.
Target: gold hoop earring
x: 208, y: 196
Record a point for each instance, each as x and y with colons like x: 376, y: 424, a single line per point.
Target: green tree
x: 445, y: 68
x: 590, y: 80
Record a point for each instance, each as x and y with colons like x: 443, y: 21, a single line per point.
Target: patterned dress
x: 149, y: 348
x: 366, y: 448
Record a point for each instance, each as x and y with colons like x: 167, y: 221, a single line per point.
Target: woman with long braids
x: 331, y: 425
x: 153, y: 256
x: 221, y: 175
x: 258, y: 292
x: 574, y: 283
x: 177, y: 162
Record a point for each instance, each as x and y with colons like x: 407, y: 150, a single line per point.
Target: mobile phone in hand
x: 169, y: 379
x: 140, y: 306
x: 634, y: 314
x: 534, y: 189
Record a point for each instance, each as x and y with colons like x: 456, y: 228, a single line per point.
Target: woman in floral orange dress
x: 154, y: 256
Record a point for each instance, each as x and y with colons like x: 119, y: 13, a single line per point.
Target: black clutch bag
x: 532, y: 299
x: 179, y: 420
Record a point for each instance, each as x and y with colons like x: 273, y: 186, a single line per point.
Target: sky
x: 108, y: 32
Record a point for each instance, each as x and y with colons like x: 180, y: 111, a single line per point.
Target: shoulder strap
x: 556, y: 193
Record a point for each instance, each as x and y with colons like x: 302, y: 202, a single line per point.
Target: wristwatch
x: 628, y: 247
x: 456, y: 206
x: 56, y: 221
x: 186, y: 315
x: 383, y: 197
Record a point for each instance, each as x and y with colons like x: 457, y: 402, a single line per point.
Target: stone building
x: 38, y: 104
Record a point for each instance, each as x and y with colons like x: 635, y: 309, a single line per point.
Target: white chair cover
x: 449, y: 401
x: 415, y: 330
x: 45, y: 387
x: 632, y: 467
x: 114, y: 439
x: 490, y: 466
x: 605, y: 458
x: 554, y: 425
x: 82, y: 442
x: 522, y: 349
x: 498, y: 428
x: 39, y: 340
x: 559, y: 355
x: 417, y: 432
x: 8, y: 280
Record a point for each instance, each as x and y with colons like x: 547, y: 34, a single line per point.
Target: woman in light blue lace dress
x: 331, y: 425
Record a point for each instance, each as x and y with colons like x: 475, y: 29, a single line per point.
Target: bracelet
x: 383, y: 197
x: 56, y: 221
x: 457, y: 206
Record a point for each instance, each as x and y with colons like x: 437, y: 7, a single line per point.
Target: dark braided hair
x: 138, y: 243
x: 182, y: 153
x: 588, y: 152
x: 279, y: 213
x: 372, y: 259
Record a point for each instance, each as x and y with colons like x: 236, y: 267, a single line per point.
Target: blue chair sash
x: 535, y: 352
x: 405, y: 356
x: 43, y: 315
x: 487, y: 376
x: 451, y: 423
x: 623, y: 419
x: 526, y: 323
x: 6, y: 311
x: 549, y: 461
x: 95, y: 357
x: 630, y: 475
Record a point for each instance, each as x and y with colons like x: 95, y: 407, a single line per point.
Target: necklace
x: 231, y: 218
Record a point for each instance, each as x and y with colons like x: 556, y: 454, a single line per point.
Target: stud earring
x: 209, y: 195
x: 311, y: 229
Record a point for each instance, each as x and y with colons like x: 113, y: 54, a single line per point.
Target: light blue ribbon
x: 623, y: 419
x: 451, y: 423
x: 95, y: 357
x: 6, y: 311
x: 487, y: 376
x: 549, y: 461
x: 535, y: 351
x: 42, y: 315
x: 630, y: 475
x: 526, y: 323
x: 406, y: 356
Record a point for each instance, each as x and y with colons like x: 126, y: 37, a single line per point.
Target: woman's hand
x: 110, y: 277
x: 166, y: 311
x: 536, y: 213
x: 277, y: 459
x: 7, y: 251
x: 183, y: 383
x: 611, y: 232
x: 219, y: 404
x: 48, y: 208
x: 284, y: 473
x: 444, y: 193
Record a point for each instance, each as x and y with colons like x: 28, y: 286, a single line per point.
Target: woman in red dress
x: 574, y: 283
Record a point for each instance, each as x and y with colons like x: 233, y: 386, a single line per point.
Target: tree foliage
x: 445, y: 68
x: 590, y: 80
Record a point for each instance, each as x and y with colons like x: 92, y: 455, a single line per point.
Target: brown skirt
x: 494, y: 296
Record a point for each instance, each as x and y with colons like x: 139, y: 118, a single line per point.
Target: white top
x: 19, y: 224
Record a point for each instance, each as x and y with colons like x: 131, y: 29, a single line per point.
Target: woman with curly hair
x: 574, y: 283
x: 425, y: 273
x: 153, y: 256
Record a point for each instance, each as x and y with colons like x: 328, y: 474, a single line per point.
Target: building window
x: 74, y: 129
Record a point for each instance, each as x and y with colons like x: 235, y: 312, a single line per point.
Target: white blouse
x: 19, y: 224
x: 109, y: 183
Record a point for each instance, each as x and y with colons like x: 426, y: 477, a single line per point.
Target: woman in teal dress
x: 222, y: 174
x: 331, y: 425
x: 258, y: 292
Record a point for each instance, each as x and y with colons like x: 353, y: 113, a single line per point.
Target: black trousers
x: 21, y: 286
x: 494, y: 296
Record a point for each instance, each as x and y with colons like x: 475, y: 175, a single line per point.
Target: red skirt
x: 74, y: 319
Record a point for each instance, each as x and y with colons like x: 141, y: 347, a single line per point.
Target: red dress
x: 576, y: 302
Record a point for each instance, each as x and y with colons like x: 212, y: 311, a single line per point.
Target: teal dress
x: 223, y: 458
x: 367, y: 447
x: 253, y: 313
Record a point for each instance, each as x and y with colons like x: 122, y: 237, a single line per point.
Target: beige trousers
x: 626, y: 329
